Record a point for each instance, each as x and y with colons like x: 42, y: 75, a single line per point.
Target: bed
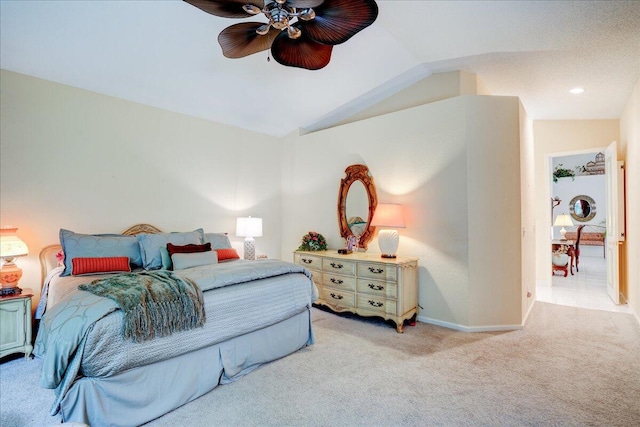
x: 256, y: 312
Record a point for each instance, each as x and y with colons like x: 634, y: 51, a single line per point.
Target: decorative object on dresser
x: 249, y: 228
x: 357, y: 200
x: 11, y: 247
x: 15, y: 318
x: 365, y: 284
x: 563, y: 220
x: 388, y: 215
x: 313, y: 241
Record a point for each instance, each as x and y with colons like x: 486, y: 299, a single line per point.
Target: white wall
x: 566, y: 189
x: 455, y: 167
x: 630, y: 150
x: 95, y: 164
x: 91, y: 163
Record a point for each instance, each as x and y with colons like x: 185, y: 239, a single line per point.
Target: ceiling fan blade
x: 337, y: 21
x: 304, y: 3
x: 226, y: 8
x: 240, y: 40
x: 302, y: 52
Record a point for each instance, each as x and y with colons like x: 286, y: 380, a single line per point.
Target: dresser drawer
x: 338, y: 298
x: 348, y: 268
x: 338, y: 281
x: 376, y: 304
x: 377, y: 271
x: 377, y: 288
x: 312, y: 262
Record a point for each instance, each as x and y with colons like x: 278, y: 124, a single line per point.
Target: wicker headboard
x: 48, y: 260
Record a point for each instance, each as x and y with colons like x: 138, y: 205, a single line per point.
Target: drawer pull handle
x: 307, y: 261
x: 334, y: 296
x: 334, y: 265
x: 376, y: 270
x: 376, y: 287
x: 337, y: 281
x: 375, y: 303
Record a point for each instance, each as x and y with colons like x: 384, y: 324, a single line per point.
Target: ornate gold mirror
x: 582, y: 208
x: 357, y: 200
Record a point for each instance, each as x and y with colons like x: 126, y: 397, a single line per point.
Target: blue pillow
x: 165, y: 259
x: 195, y: 259
x: 75, y: 245
x: 217, y: 240
x: 151, y: 244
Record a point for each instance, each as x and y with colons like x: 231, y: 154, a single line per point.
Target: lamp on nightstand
x: 249, y: 228
x: 388, y: 215
x: 11, y: 247
x: 563, y: 220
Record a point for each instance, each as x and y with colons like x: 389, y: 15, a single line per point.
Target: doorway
x: 578, y: 193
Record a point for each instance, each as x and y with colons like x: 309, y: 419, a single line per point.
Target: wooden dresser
x: 365, y: 284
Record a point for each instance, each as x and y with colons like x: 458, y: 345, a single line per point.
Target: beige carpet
x: 568, y: 367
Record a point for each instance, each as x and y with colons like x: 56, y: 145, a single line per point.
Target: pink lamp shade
x: 11, y: 247
x: 388, y: 215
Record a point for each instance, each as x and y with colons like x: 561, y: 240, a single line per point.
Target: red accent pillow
x: 187, y: 249
x: 117, y: 264
x: 229, y: 253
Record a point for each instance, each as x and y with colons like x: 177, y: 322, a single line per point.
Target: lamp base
x: 563, y: 234
x: 10, y: 291
x: 388, y: 241
x: 249, y: 248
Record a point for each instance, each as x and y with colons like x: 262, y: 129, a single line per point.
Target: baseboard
x: 463, y: 328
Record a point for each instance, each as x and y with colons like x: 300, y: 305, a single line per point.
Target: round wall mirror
x: 357, y: 200
x: 582, y: 208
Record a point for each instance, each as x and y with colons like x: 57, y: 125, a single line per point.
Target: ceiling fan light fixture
x: 263, y: 29
x: 312, y: 27
x: 294, y: 32
x: 251, y: 9
x: 307, y: 15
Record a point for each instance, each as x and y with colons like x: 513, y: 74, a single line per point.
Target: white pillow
x: 194, y: 259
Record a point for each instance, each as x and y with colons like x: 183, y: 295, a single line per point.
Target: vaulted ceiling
x: 165, y: 54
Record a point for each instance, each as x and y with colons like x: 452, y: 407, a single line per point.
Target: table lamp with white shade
x: 390, y: 217
x: 249, y: 228
x: 563, y: 220
x: 11, y: 247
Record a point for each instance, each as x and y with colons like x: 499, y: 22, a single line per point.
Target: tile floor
x: 586, y: 288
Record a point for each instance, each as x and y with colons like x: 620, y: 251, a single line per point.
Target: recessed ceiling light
x: 576, y: 90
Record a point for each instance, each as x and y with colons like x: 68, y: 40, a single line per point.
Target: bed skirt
x: 141, y: 394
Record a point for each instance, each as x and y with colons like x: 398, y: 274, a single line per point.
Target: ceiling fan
x: 300, y: 33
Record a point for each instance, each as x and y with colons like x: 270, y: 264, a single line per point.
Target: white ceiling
x: 165, y: 54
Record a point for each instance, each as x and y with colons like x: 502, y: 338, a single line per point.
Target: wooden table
x: 571, y: 251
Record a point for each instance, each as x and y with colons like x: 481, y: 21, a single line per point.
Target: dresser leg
x: 27, y: 353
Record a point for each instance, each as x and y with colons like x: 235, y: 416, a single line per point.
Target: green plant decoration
x: 313, y: 241
x: 560, y: 172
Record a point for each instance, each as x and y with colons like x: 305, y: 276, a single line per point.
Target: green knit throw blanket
x: 155, y: 303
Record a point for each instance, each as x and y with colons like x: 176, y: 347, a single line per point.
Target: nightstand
x: 15, y: 324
